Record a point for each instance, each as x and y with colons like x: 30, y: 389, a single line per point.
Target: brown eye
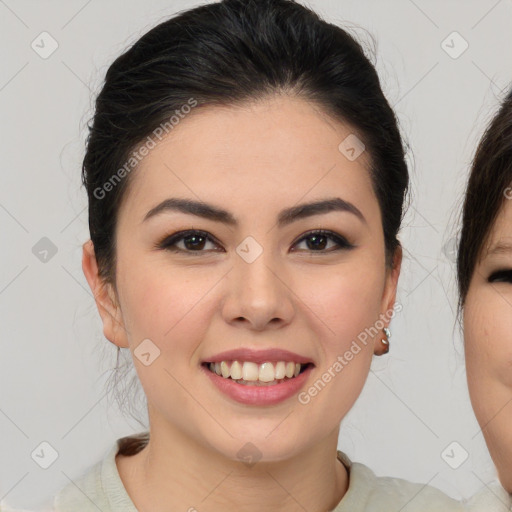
x: 317, y: 241
x: 193, y: 241
x: 501, y: 276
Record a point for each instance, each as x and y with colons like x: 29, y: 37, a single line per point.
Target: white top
x: 491, y: 498
x: 101, y: 488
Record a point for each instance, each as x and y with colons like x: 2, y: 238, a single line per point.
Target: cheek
x: 347, y: 322
x: 165, y: 305
x: 343, y: 310
x: 488, y: 347
x: 350, y: 300
x: 488, y: 338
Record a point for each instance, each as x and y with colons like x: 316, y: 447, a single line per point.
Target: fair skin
x: 487, y: 337
x: 253, y: 161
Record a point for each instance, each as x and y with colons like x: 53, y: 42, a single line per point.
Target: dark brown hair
x: 488, y: 187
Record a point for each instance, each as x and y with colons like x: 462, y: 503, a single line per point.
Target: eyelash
x: 501, y: 276
x: 169, y: 242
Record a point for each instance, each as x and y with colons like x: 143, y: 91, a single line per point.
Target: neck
x: 173, y: 472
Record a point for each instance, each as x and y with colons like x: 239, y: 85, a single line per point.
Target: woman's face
x: 257, y: 282
x: 488, y: 340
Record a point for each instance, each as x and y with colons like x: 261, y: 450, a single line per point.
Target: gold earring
x: 384, y: 343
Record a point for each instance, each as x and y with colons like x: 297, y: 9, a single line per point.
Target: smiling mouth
x: 247, y: 373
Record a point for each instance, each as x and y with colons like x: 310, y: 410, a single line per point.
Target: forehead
x: 500, y: 235
x: 273, y: 151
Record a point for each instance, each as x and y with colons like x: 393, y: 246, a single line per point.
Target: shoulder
x: 101, y: 486
x: 370, y: 493
x: 491, y: 498
x: 84, y: 491
x: 6, y: 508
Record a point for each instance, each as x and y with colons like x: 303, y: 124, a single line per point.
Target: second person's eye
x: 501, y: 276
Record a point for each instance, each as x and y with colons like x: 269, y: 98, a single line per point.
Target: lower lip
x: 259, y: 395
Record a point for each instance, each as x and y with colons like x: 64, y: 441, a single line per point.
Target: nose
x: 257, y: 295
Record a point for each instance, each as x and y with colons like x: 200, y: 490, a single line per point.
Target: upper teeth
x: 265, y: 372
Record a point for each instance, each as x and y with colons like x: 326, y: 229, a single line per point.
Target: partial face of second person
x: 197, y: 297
x: 488, y: 340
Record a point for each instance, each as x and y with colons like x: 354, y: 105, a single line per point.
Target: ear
x: 105, y: 298
x: 390, y: 287
x: 393, y: 273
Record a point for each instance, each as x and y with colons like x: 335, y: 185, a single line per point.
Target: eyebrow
x: 285, y: 217
x: 501, y: 247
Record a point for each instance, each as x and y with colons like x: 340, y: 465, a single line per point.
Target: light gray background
x: 54, y: 362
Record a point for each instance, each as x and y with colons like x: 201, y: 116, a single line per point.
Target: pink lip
x: 259, y: 395
x: 258, y: 356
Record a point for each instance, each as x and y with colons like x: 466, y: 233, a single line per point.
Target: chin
x: 252, y: 449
